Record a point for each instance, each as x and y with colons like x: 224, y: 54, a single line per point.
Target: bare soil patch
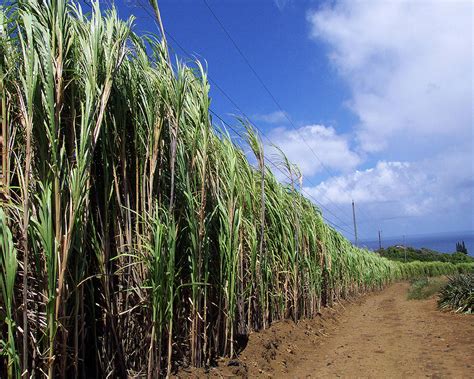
x: 381, y: 335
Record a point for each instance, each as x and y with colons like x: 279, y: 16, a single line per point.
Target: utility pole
x: 380, y: 241
x: 355, y: 224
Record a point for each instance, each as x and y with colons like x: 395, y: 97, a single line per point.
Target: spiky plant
x: 458, y: 294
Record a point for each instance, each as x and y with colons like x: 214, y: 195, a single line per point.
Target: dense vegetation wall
x: 134, y: 235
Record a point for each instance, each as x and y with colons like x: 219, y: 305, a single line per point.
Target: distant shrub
x: 410, y: 254
x: 424, y: 288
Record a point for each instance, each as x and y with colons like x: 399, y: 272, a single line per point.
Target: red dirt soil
x: 381, y: 335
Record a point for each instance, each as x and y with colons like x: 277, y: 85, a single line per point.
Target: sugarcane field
x: 205, y: 189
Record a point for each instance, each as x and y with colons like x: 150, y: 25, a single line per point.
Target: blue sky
x: 381, y: 92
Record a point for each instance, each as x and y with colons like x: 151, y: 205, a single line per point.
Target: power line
x: 261, y: 131
x: 214, y: 83
x: 244, y: 57
x: 260, y: 80
x: 286, y: 175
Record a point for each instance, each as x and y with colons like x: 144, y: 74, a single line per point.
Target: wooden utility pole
x: 380, y: 242
x: 355, y: 224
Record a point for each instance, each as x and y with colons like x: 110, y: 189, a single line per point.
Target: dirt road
x: 388, y: 336
x: 381, y: 335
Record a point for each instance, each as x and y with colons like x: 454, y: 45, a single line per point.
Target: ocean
x: 442, y: 242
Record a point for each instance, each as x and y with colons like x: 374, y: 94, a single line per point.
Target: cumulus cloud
x: 277, y: 117
x: 406, y: 189
x: 409, y: 69
x: 384, y: 183
x: 408, y: 65
x: 301, y: 146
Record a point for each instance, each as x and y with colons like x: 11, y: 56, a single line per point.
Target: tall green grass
x: 8, y: 269
x: 135, y: 234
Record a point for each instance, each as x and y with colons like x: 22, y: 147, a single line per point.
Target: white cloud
x: 409, y: 68
x: 408, y: 64
x: 385, y: 182
x: 281, y: 4
x: 301, y: 145
x: 430, y: 189
x: 277, y: 117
